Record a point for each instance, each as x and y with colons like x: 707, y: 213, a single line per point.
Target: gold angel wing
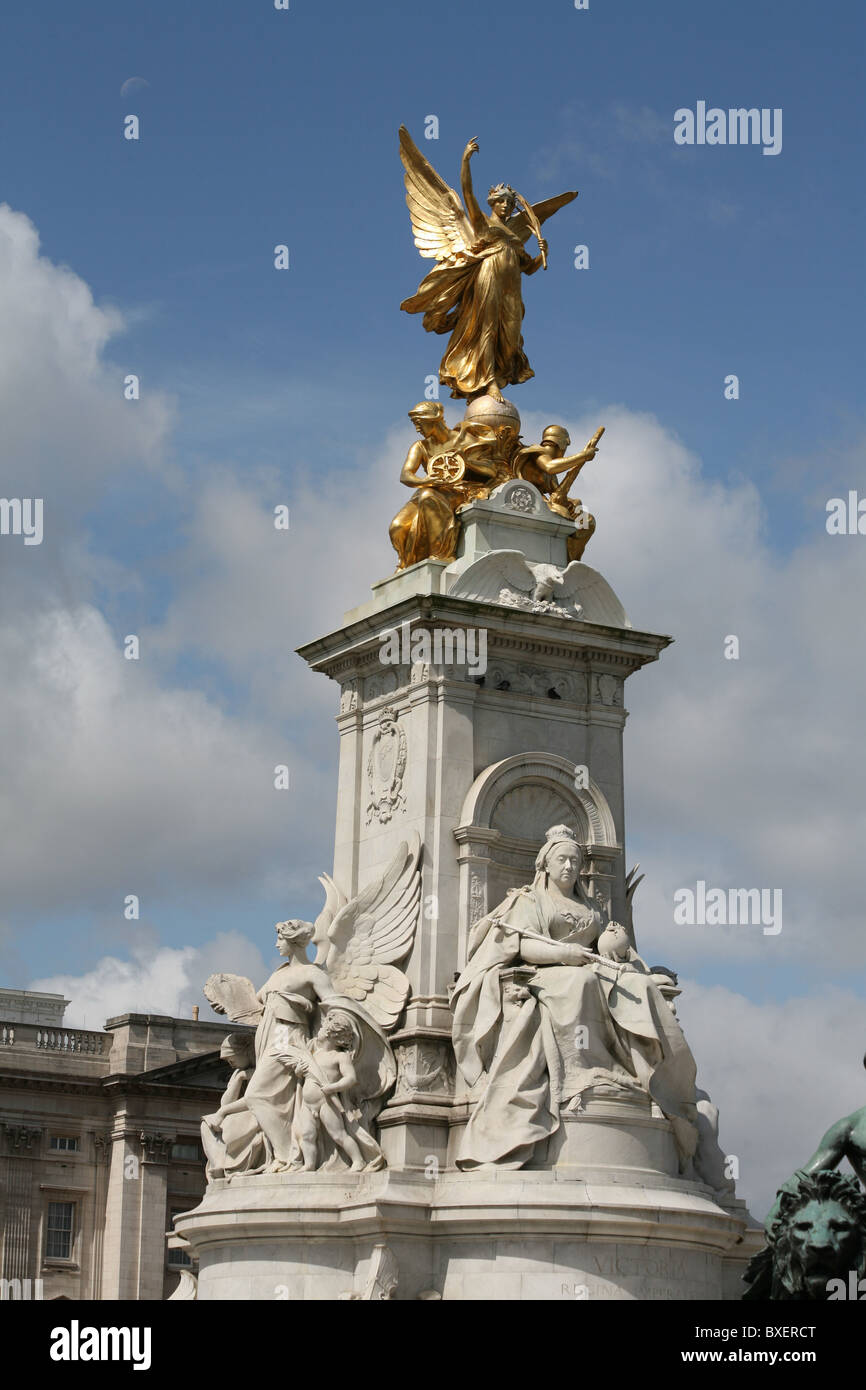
x: 375, y: 931
x: 521, y: 223
x: 442, y: 229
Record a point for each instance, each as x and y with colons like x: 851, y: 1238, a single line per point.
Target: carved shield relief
x: 385, y: 768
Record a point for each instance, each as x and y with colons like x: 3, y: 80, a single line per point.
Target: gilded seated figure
x: 446, y: 468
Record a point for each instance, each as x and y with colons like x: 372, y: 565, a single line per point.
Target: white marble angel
x: 355, y: 976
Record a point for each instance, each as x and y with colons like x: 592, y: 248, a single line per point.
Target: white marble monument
x: 479, y: 1089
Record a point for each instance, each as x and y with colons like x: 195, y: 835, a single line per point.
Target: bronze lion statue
x: 816, y: 1233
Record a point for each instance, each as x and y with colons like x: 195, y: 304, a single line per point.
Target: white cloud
x: 781, y: 1072
x: 167, y: 980
x: 66, y: 425
x: 115, y: 784
x: 247, y: 594
x: 743, y: 773
x: 118, y: 776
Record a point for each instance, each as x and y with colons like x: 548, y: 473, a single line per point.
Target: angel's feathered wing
x: 374, y: 931
x: 334, y: 900
x: 520, y: 222
x: 440, y: 225
x: 235, y: 996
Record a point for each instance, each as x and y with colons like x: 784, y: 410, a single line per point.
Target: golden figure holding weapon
x: 541, y: 464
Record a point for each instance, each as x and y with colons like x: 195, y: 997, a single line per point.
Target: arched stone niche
x: 505, y: 816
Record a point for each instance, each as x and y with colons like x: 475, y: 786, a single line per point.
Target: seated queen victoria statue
x: 577, y: 1022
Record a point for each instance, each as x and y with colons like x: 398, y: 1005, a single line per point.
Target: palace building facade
x: 100, y: 1148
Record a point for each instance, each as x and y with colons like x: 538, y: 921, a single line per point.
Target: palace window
x: 178, y: 1258
x: 59, y: 1230
x: 66, y: 1143
x: 187, y: 1148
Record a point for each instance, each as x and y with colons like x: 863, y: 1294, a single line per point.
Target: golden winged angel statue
x: 474, y: 292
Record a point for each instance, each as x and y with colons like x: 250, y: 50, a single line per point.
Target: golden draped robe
x: 479, y: 302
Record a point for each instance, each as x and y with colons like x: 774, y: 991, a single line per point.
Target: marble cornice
x: 39, y: 1081
x: 134, y: 1086
x: 100, y: 1085
x: 340, y: 651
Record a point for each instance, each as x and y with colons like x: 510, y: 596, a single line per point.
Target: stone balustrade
x: 68, y: 1041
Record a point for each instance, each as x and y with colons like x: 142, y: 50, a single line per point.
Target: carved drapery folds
x: 554, y: 1005
x: 308, y: 1094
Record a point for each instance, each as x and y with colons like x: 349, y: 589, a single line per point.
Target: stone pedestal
x: 484, y: 1235
x: 601, y: 1215
x: 484, y: 756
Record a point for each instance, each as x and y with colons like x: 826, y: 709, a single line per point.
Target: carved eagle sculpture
x: 359, y: 943
x: 575, y: 591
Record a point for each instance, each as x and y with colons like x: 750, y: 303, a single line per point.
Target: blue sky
x: 261, y: 127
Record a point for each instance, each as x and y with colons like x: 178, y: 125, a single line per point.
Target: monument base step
x: 499, y: 1234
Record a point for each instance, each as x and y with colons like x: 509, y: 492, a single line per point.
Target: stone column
x: 102, y: 1150
x: 155, y: 1155
x: 21, y: 1146
x: 135, y: 1215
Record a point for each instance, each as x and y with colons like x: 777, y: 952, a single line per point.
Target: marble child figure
x: 325, y: 1108
x: 272, y: 1107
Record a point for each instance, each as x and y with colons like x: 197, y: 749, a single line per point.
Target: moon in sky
x: 132, y: 85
